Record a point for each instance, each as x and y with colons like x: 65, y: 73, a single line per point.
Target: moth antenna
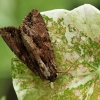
x: 68, y: 68
x: 59, y: 71
x: 46, y: 83
x: 72, y: 64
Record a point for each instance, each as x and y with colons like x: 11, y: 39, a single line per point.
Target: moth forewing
x: 12, y: 39
x: 11, y: 36
x: 37, y: 42
x: 34, y: 54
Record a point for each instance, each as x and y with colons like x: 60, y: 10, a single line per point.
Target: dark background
x: 11, y: 14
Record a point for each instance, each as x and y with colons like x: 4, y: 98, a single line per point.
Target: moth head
x: 53, y: 77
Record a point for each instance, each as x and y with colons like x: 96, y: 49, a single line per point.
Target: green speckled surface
x: 75, y: 36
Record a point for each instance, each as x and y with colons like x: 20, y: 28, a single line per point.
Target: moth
x: 31, y: 44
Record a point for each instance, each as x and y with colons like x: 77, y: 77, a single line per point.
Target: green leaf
x: 75, y: 36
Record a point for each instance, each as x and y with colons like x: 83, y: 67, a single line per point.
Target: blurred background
x: 11, y: 14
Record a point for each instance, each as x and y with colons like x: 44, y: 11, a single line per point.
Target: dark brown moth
x: 31, y: 43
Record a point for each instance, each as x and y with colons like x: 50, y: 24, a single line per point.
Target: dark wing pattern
x: 37, y: 42
x: 11, y: 36
x: 31, y: 43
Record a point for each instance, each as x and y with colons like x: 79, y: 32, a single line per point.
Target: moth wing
x: 11, y: 36
x: 34, y: 32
